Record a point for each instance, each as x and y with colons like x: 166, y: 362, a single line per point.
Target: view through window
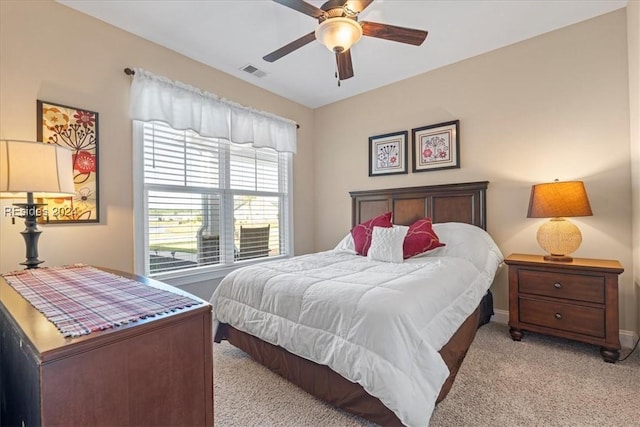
x: 209, y: 202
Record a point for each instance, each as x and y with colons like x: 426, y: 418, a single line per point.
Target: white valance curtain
x: 186, y: 107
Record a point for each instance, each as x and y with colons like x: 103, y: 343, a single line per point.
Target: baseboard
x: 627, y: 338
x: 500, y: 316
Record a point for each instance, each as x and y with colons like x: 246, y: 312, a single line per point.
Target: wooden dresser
x: 156, y: 371
x: 576, y: 300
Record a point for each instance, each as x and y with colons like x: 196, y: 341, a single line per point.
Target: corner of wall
x: 633, y: 45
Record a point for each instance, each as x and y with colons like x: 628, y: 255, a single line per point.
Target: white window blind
x: 210, y: 203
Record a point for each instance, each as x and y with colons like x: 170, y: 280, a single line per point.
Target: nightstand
x: 576, y: 300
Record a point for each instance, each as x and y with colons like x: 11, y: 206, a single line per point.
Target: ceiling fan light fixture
x: 338, y: 34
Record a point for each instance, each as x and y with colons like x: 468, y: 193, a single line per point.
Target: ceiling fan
x: 339, y: 29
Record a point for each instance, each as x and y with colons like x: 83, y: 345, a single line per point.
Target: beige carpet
x: 541, y: 381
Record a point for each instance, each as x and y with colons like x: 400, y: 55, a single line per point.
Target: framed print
x: 436, y: 146
x: 75, y: 129
x: 388, y: 154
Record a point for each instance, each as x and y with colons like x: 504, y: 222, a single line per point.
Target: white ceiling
x: 229, y: 34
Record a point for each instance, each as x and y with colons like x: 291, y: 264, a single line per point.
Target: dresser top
x: 49, y: 343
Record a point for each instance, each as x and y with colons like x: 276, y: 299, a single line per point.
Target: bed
x: 405, y: 365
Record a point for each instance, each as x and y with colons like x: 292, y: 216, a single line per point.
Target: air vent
x: 253, y: 70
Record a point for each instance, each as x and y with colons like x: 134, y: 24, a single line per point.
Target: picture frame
x: 76, y: 129
x: 388, y: 154
x: 436, y: 147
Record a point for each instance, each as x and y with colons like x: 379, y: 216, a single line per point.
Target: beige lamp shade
x: 559, y: 199
x: 556, y: 200
x: 46, y: 170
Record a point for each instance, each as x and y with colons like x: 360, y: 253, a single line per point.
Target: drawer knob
x: 558, y: 316
x: 557, y: 285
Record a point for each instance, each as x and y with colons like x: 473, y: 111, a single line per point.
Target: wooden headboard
x: 464, y: 202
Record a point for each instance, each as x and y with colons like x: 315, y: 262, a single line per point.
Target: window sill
x: 203, y: 274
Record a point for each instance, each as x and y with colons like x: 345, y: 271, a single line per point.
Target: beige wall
x: 633, y: 29
x: 54, y: 53
x: 555, y: 106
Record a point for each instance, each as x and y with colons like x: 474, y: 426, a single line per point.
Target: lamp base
x: 558, y: 258
x: 559, y: 237
x: 31, y: 234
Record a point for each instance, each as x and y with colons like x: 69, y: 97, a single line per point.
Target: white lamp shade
x: 46, y: 170
x: 338, y: 34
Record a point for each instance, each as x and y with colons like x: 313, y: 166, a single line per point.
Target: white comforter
x: 377, y: 324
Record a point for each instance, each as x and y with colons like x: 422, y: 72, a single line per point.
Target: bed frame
x: 465, y: 202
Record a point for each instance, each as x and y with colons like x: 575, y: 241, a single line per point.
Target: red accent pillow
x: 362, y: 232
x: 420, y: 238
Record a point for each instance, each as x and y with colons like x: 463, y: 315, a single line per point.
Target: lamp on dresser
x: 34, y: 170
x: 558, y: 200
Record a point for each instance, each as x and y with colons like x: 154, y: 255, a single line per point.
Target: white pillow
x: 469, y: 242
x: 346, y: 245
x: 386, y: 244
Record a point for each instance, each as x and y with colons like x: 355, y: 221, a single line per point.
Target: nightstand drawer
x: 567, y: 317
x: 562, y: 285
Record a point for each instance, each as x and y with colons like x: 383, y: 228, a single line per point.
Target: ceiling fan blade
x: 345, y: 65
x: 358, y: 5
x: 393, y: 33
x: 287, y: 49
x: 302, y: 6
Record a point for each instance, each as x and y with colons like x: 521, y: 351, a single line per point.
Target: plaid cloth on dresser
x: 80, y: 299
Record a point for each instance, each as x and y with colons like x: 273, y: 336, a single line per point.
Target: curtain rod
x: 129, y: 72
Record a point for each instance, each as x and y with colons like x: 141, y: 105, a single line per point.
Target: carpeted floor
x: 541, y: 381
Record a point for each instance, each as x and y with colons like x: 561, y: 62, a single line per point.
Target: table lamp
x: 557, y: 200
x: 34, y: 170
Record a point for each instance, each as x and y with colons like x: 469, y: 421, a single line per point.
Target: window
x: 206, y: 203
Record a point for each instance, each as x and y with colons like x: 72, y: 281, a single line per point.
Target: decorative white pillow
x: 386, y: 244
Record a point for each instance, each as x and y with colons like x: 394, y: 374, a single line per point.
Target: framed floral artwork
x: 75, y: 129
x: 388, y: 154
x: 436, y: 146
